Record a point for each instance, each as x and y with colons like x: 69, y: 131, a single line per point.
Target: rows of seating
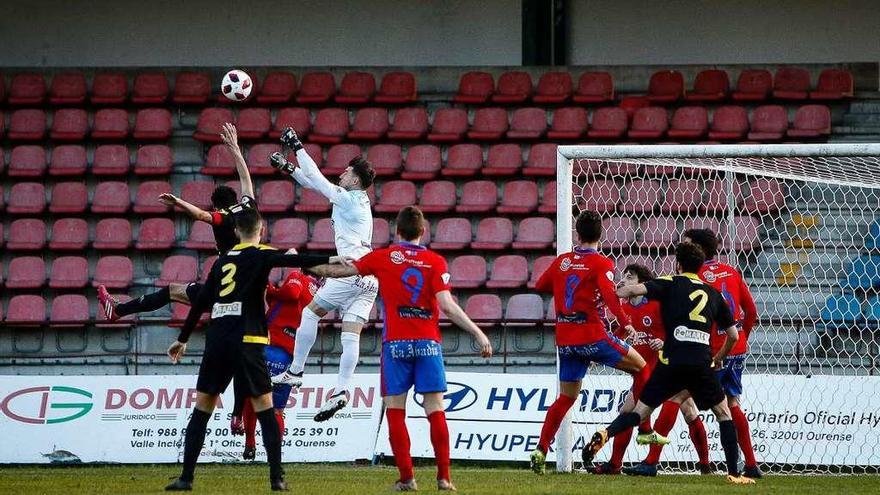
x: 73, y: 125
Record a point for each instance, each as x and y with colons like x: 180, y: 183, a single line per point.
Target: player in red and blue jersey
x: 414, y: 288
x: 582, y: 284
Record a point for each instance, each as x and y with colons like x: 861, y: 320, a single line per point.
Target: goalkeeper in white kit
x: 351, y: 297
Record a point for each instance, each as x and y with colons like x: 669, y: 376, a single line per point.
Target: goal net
x: 799, y: 222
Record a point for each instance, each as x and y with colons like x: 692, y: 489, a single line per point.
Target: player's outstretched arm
x: 307, y: 173
x: 230, y: 138
x: 192, y: 210
x: 333, y: 271
x: 278, y: 259
x: 463, y: 321
x: 632, y: 291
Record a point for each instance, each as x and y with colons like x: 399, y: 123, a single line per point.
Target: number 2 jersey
x: 582, y: 284
x: 409, y: 276
x: 729, y: 282
x: 286, y: 304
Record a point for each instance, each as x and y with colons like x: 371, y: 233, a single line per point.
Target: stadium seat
x: 150, y: 88
x: 154, y: 124
x: 26, y: 272
x: 397, y: 87
x: 553, y: 87
x: 178, y: 269
x: 69, y: 272
x: 27, y: 125
x: 548, y: 198
x: 608, y: 123
x: 452, y: 234
x: 493, y: 233
x: 528, y: 307
x: 474, y: 88
x: 179, y: 313
x: 331, y: 126
x: 520, y: 196
x: 112, y: 234
x: 468, y: 272
x: 484, y: 309
x: 114, y: 272
x: 316, y: 87
x: 811, y: 121
x: 604, y: 196
x: 753, y: 85
x: 27, y: 89
x: 509, y: 272
x: 842, y: 309
x: 538, y: 268
x: 201, y: 237
x: 111, y: 124
x: 289, y: 233
x: 311, y: 201
x: 27, y: 161
x: 68, y: 88
x: 710, y: 85
x: 278, y: 87
x: 463, y: 160
x: 833, y: 84
x: 769, y: 123
x: 791, y: 83
x: 594, y: 87
x: 729, y: 123
x: 198, y: 193
x: 153, y: 159
x: 338, y: 158
x: 410, y: 124
x: 478, y: 197
x: 253, y: 123
x: 276, y: 196
x: 689, y: 123
x: 649, y: 123
x: 535, y: 233
x: 863, y: 273
x: 767, y: 195
x: 438, y: 197
x: 26, y: 309
x: 449, y: 125
x: 356, y: 88
x: 109, y: 88
x: 702, y: 222
x: 395, y: 195
x: 156, y: 234
x: 665, y: 86
x: 111, y: 159
x: 69, y: 197
x: 322, y: 235
x: 659, y: 232
x: 219, y: 162
x: 527, y: 123
x: 568, y: 123
x: 111, y: 197
x: 26, y: 198
x: 618, y: 232
x: 386, y: 159
x: 69, y: 234
x: 370, y: 124
x: 258, y: 158
x: 682, y: 195
x: 381, y: 233
x: 210, y: 123
x: 541, y: 161
x: 716, y: 195
x: 146, y: 199
x: 513, y: 87
x: 490, y: 124
x: 423, y: 162
x: 191, y: 88
x: 746, y: 234
x: 26, y: 234
x: 296, y: 117
x: 69, y: 124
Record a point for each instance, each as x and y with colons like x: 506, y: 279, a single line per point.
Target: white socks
x: 351, y: 351
x: 306, y: 335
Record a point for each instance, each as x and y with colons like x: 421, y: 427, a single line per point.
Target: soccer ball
x: 237, y: 85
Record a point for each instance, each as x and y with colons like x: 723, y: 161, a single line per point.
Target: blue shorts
x: 731, y: 375
x: 408, y: 363
x: 575, y: 359
x: 277, y: 362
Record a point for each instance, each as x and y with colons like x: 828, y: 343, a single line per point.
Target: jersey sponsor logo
x: 369, y: 284
x: 397, y: 257
x: 565, y: 265
x: 232, y: 253
x: 446, y: 278
x: 230, y: 309
x: 571, y: 318
x: 414, y: 312
x: 685, y: 334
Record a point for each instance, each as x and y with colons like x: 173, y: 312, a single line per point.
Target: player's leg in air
x: 277, y: 361
x: 113, y: 309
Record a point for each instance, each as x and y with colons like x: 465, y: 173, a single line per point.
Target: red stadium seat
x: 111, y: 197
x: 618, y: 232
x: 219, y: 162
x: 791, y: 83
x: 178, y: 269
x: 548, y: 198
x: 553, y: 87
x: 381, y: 233
x: 311, y: 201
x: 641, y: 196
x: 509, y: 272
x: 27, y: 89
x: 111, y: 159
x: 463, y: 160
x: 68, y: 88
x: 701, y: 223
x: 423, y: 162
x: 475, y: 87
x: 527, y: 123
x: 207, y: 265
x: 450, y: 125
x: 493, y: 234
x: 649, y: 123
x: 316, y: 87
x: 665, y: 87
x: 114, y: 272
x: 716, y: 195
x: 210, y: 123
x: 338, y: 158
x: 155, y: 124
x: 478, y: 197
x: 276, y: 196
x: 69, y: 234
x: 608, y: 123
x: 331, y: 126
x: 26, y: 198
x: 111, y: 124
x: 27, y: 161
x: 201, y: 237
x: 682, y: 195
x: 112, y: 234
x: 69, y: 197
x: 395, y: 195
x: 520, y: 196
x: 468, y: 272
x: 753, y: 85
x: 397, y: 87
x: 568, y: 123
x: 594, y: 87
x: 767, y: 195
x: 513, y: 87
x: 689, y: 123
x: 535, y: 233
x: 26, y: 309
x: 322, y: 235
x: 69, y: 272
x: 150, y: 88
x: 27, y: 125
x: 710, y: 85
x: 541, y: 161
x: 438, y: 197
x: 729, y: 123
x: 69, y: 124
x: 146, y: 199
x: 485, y: 309
x: 153, y: 159
x: 253, y: 123
x: 258, y: 158
x: 811, y: 121
x: 452, y: 234
x: 833, y: 84
x: 26, y: 234
x: 289, y: 233
x: 198, y: 193
x: 298, y: 118
x: 386, y: 159
x: 769, y: 123
x: 191, y: 88
x: 410, y: 123
x: 69, y: 311
x: 597, y: 195
x: 156, y: 234
x: 370, y: 124
x: 524, y: 307
x: 659, y: 232
x: 490, y: 124
x: 109, y: 88
x: 356, y: 88
x: 26, y: 272
x: 279, y: 87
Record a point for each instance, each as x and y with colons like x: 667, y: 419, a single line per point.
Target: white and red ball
x: 237, y: 85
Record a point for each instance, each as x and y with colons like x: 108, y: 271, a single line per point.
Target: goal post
x: 798, y: 220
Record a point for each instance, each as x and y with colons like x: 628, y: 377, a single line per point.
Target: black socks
x: 731, y: 447
x: 271, y: 442
x: 145, y: 303
x: 195, y: 439
x: 623, y: 422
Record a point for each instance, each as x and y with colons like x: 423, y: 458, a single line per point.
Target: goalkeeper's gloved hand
x: 291, y: 140
x: 280, y: 163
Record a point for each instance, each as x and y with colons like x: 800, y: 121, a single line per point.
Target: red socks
x: 621, y: 440
x: 698, y: 436
x: 743, y: 435
x: 250, y: 424
x: 280, y: 417
x: 663, y: 425
x: 553, y: 419
x: 399, y: 438
x: 440, y: 441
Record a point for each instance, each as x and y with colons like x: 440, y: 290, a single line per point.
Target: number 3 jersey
x: 409, y: 276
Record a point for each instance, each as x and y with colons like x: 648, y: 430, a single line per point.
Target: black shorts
x: 224, y: 361
x: 192, y: 291
x: 666, y: 381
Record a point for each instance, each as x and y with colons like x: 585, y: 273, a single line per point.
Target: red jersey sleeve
x: 370, y: 263
x: 545, y: 282
x: 440, y: 276
x: 291, y: 289
x: 605, y: 283
x: 747, y: 304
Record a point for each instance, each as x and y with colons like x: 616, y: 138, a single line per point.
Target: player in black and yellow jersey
x: 235, y: 339
x: 690, y: 310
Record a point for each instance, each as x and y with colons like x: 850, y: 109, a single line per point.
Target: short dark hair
x: 223, y: 197
x: 689, y: 256
x: 706, y: 239
x: 642, y: 272
x: 589, y: 226
x: 248, y: 221
x: 364, y: 170
x: 410, y: 223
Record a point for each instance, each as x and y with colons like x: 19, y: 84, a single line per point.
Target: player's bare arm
x: 191, y: 210
x: 230, y: 138
x: 463, y: 321
x: 729, y: 342
x: 632, y: 291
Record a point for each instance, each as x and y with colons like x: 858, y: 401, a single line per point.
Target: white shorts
x: 352, y: 297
